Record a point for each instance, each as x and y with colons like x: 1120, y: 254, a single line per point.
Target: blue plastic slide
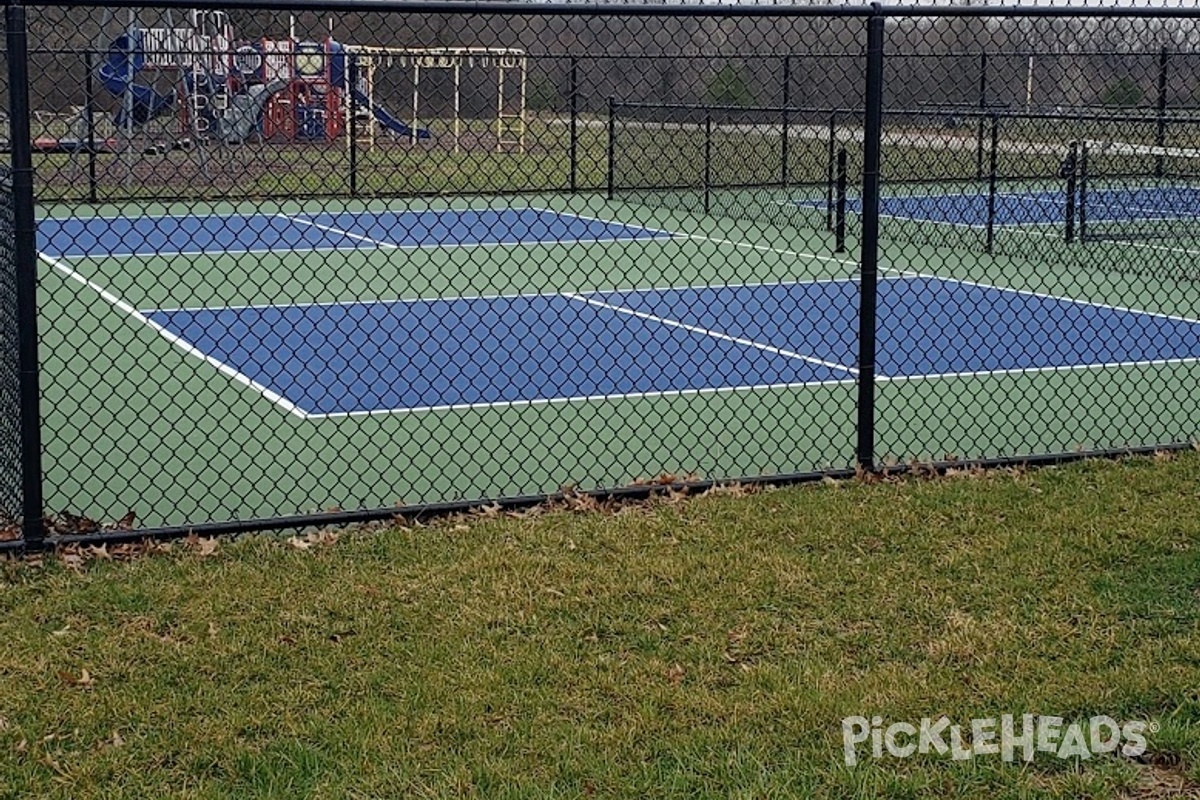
x: 337, y: 74
x: 125, y: 60
x: 386, y: 119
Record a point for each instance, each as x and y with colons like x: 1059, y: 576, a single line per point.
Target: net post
x: 574, y: 109
x: 1082, y: 189
x: 612, y: 134
x: 786, y: 121
x: 993, y: 154
x: 352, y: 132
x: 840, y: 216
x: 1070, y: 172
x: 983, y: 67
x: 869, y: 258
x: 831, y: 155
x: 25, y: 249
x: 707, y: 160
x: 1160, y: 133
x: 89, y: 119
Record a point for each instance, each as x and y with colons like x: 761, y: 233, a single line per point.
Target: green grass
x: 701, y: 648
x: 647, y: 154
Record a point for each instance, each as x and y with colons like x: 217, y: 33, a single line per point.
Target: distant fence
x: 278, y: 265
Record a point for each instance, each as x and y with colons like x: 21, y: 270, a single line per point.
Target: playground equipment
x: 190, y: 84
x: 510, y: 91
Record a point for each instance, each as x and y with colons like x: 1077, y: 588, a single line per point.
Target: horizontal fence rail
x: 282, y: 265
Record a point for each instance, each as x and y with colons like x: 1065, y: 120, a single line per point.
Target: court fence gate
x: 268, y: 265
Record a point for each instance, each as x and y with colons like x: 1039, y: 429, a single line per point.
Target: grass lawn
x: 700, y: 647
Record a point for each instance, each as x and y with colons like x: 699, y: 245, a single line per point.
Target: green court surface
x: 132, y: 421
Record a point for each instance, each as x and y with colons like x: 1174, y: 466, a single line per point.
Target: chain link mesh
x: 10, y: 431
x: 293, y: 263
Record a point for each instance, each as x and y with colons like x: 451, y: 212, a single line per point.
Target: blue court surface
x: 265, y: 233
x: 398, y: 356
x: 1037, y: 207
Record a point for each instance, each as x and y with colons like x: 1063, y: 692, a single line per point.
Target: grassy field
x: 647, y: 154
x: 705, y: 648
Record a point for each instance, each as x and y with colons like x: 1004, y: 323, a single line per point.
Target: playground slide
x: 241, y: 119
x: 125, y: 60
x: 386, y: 119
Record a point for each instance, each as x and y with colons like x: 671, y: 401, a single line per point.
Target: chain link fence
x: 300, y: 265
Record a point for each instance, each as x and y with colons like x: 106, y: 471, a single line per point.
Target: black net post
x: 785, y: 121
x: 840, y: 216
x: 993, y: 154
x: 573, y: 101
x: 22, y: 280
x: 1081, y: 206
x: 983, y: 68
x: 612, y: 135
x: 831, y: 156
x: 707, y: 161
x: 869, y: 260
x: 1160, y: 133
x: 352, y: 80
x: 1070, y: 170
x: 89, y: 119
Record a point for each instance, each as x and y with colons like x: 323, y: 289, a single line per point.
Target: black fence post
x: 707, y: 161
x: 839, y: 226
x: 25, y: 247
x: 612, y: 135
x: 983, y: 68
x: 89, y: 119
x: 352, y: 132
x: 786, y: 121
x: 830, y: 157
x: 869, y: 261
x: 1160, y: 133
x: 573, y: 102
x: 993, y: 166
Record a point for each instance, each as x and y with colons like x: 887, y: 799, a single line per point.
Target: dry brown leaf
x: 675, y: 673
x: 84, y: 681
x: 207, y: 546
x: 298, y: 543
x: 72, y: 559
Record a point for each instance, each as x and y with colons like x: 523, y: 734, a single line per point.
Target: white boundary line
x: 544, y: 210
x: 766, y: 348
x: 1127, y: 243
x: 984, y: 373
x: 177, y: 341
x: 1042, y: 295
x: 330, y: 229
x: 768, y: 249
x: 365, y: 248
x: 655, y: 234
x: 209, y: 253
x: 553, y: 401
x: 517, y: 295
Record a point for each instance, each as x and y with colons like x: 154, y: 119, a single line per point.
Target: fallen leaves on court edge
x: 667, y: 487
x: 317, y: 538
x: 203, y: 546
